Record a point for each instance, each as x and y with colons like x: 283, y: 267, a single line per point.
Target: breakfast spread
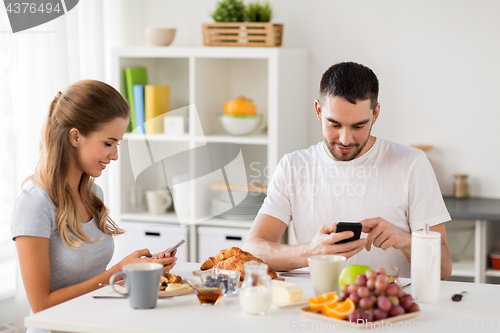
x: 370, y: 298
x: 168, y: 279
x: 286, y: 292
x: 233, y: 259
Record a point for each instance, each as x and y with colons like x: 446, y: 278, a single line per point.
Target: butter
x: 286, y: 292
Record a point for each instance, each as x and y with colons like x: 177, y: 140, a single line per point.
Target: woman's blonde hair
x: 85, y: 105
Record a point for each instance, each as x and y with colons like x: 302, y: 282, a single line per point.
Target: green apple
x: 349, y: 274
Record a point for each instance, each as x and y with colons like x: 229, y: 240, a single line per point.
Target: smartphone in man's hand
x: 352, y: 226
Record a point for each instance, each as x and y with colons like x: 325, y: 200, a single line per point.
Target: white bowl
x: 160, y: 36
x: 240, y: 125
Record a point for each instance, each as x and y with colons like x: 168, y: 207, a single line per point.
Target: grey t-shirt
x: 35, y: 214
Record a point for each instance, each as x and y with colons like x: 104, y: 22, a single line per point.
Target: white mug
x: 325, y: 271
x: 425, y: 265
x: 158, y: 201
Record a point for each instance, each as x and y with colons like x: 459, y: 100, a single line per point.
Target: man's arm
x: 384, y: 235
x: 267, y: 230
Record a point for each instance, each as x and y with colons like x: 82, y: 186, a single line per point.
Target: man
x: 350, y: 177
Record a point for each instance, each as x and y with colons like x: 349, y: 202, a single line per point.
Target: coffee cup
x: 425, y: 265
x: 325, y: 271
x: 142, y: 281
x: 158, y: 201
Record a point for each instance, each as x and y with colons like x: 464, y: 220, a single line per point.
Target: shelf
x: 463, y: 268
x: 209, y: 52
x: 145, y: 217
x: 171, y: 218
x: 202, y: 79
x: 492, y: 272
x: 253, y: 139
x: 156, y: 137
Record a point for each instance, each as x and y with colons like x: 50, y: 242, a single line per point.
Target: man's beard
x: 330, y: 146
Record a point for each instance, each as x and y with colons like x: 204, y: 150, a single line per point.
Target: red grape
x: 361, y: 280
x: 344, y: 288
x: 382, y: 277
x: 345, y: 296
x: 380, y: 285
x: 373, y: 298
x: 365, y: 303
x: 363, y: 291
x: 354, y: 316
x: 413, y: 308
x: 367, y: 316
x: 379, y: 314
x: 381, y: 270
x: 394, y: 300
x: 353, y: 287
x: 354, y: 297
x: 383, y: 303
x: 396, y: 310
x: 406, y: 301
x: 370, y: 274
x: 392, y: 289
x: 401, y: 293
x: 379, y: 292
x: 370, y: 284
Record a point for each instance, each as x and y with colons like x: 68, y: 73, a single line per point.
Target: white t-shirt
x: 391, y: 181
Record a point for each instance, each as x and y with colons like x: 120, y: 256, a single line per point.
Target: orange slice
x: 319, y: 302
x: 341, y: 311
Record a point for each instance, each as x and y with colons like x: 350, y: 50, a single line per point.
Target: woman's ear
x: 74, y: 137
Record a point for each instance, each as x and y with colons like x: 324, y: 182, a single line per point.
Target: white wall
x: 437, y: 62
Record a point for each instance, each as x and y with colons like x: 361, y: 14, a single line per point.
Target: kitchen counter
x: 486, y: 213
x: 473, y: 208
x: 478, y: 311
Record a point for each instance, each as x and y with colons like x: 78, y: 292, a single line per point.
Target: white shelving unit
x: 205, y: 77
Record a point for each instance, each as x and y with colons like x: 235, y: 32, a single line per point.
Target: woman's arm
x: 34, y: 262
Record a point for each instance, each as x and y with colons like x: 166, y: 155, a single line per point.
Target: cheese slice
x: 286, y: 292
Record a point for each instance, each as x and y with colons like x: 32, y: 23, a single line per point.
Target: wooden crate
x: 242, y: 34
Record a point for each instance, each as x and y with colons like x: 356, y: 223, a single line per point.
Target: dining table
x: 478, y: 311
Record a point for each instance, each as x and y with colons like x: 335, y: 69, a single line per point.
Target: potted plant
x: 237, y: 25
x: 229, y: 11
x: 257, y: 12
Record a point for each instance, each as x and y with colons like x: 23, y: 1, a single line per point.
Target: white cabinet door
x: 213, y: 239
x: 153, y: 236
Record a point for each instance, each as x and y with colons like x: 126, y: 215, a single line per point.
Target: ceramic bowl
x: 160, y: 36
x: 240, y: 125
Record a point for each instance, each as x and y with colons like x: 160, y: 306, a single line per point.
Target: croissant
x: 236, y: 264
x: 233, y: 259
x: 223, y: 255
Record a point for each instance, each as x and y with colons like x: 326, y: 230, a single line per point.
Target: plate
x: 164, y: 293
x: 378, y: 324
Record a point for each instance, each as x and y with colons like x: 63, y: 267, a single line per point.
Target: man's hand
x: 325, y: 239
x: 384, y: 235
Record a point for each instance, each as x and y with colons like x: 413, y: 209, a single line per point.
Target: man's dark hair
x: 351, y: 81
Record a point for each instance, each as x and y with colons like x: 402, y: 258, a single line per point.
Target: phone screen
x: 352, y: 226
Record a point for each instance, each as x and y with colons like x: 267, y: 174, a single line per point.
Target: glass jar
x: 256, y: 292
x: 461, y: 186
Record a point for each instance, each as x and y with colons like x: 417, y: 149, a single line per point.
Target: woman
x: 60, y: 224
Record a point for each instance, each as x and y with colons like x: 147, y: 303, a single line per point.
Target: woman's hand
x: 168, y: 261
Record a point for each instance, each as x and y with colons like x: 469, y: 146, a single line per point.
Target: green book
x: 134, y: 75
